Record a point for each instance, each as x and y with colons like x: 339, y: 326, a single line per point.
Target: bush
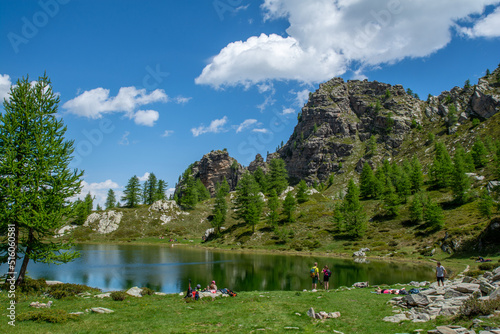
x: 147, y: 292
x: 474, y: 273
x: 473, y: 307
x: 47, y: 315
x: 31, y: 286
x: 59, y: 291
x: 118, y: 295
x: 487, y: 266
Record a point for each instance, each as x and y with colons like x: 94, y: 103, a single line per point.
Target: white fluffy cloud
x: 99, y: 190
x: 216, y: 126
x: 245, y: 124
x: 288, y: 111
x: 145, y: 177
x: 96, y: 102
x: 326, y: 37
x: 488, y: 26
x: 5, y: 84
x: 146, y: 117
x: 167, y: 133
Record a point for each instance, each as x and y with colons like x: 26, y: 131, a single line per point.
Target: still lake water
x: 166, y: 269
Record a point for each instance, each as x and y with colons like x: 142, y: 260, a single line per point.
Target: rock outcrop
x: 105, y: 222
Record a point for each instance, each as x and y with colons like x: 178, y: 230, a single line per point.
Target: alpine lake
x: 168, y: 269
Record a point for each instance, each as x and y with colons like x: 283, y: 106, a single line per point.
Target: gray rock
x: 486, y: 288
x: 359, y: 253
x: 311, y: 313
x: 397, y: 318
x: 135, y: 291
x: 333, y: 315
x: 467, y: 287
x: 452, y: 293
x: 416, y: 300
x: 103, y: 295
x: 495, y: 294
x: 101, y: 310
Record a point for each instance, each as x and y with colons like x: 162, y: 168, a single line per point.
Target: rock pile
x: 447, y: 300
x: 41, y: 305
x: 104, y: 222
x: 322, y: 315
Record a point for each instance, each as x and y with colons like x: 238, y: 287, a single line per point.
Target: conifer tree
x: 371, y: 146
x: 379, y: 183
x: 416, y: 209
x: 403, y: 186
x: 81, y: 213
x: 110, y: 199
x: 442, y: 168
x: 224, y: 186
x: 391, y: 201
x: 98, y: 208
x: 302, y: 195
x: 189, y: 194
x: 219, y: 211
x: 416, y: 176
x: 460, y: 182
x: 248, y: 201
x: 479, y: 154
x: 144, y: 193
x: 367, y: 186
x: 151, y: 188
x: 277, y: 176
x: 36, y: 182
x: 160, y: 192
x: 273, y: 205
x: 433, y: 215
x: 260, y: 178
x: 289, y: 207
x: 350, y: 213
x: 89, y: 203
x: 485, y: 204
x: 202, y: 192
x: 132, y: 193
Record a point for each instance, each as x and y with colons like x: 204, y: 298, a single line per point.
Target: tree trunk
x: 26, y: 259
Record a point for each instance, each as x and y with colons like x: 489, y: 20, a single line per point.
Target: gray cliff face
x: 216, y: 165
x: 340, y: 117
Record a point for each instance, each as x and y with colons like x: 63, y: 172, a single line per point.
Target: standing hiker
x: 440, y: 273
x: 315, y: 275
x: 326, y: 276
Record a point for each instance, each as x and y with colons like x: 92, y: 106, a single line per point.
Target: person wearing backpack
x: 326, y: 277
x: 315, y: 275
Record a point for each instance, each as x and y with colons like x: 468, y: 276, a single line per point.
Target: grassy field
x: 283, y: 311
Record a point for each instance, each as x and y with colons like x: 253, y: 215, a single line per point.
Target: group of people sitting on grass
x: 211, y: 289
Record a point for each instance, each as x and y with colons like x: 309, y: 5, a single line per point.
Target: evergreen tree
x: 416, y: 176
x: 248, y: 201
x: 151, y: 188
x: 485, y: 204
x: 273, y: 205
x: 110, y: 200
x: 452, y: 116
x: 403, y: 186
x: 36, y: 182
x: 433, y: 216
x: 442, y: 168
x: 202, y: 191
x: 144, y: 193
x: 98, y: 208
x: 416, y: 209
x: 277, y: 176
x: 469, y: 163
x: 224, y: 187
x: 160, y: 192
x: 367, y: 180
x: 189, y: 194
x: 379, y: 183
x: 80, y: 212
x: 460, y: 182
x: 351, y: 212
x: 132, y: 193
x: 219, y: 211
x: 260, y: 178
x: 302, y: 195
x: 289, y: 207
x: 479, y: 154
x: 371, y: 146
x: 89, y: 203
x: 391, y: 202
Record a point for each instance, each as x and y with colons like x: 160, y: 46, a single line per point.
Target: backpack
x: 328, y: 273
x: 231, y: 293
x: 313, y: 272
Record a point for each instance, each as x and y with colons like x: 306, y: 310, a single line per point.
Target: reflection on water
x: 117, y: 267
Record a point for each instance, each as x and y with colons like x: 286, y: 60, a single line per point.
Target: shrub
x: 147, y: 292
x: 59, y: 291
x: 473, y: 307
x: 31, y: 286
x: 475, y: 122
x: 487, y: 266
x: 47, y: 315
x: 118, y: 295
x: 474, y: 273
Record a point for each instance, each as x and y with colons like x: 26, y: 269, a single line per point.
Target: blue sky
x: 152, y: 86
